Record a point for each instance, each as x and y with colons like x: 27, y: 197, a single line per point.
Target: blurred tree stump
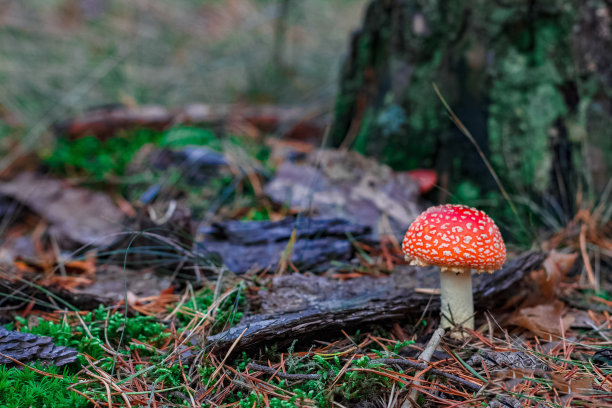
x: 530, y: 79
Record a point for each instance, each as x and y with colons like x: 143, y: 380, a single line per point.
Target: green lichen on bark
x: 526, y: 100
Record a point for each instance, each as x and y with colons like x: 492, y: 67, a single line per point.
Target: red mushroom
x: 425, y: 178
x: 458, y: 239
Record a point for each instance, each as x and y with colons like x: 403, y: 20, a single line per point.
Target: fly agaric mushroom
x: 458, y: 239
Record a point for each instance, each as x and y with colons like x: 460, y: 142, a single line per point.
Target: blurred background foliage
x: 526, y: 78
x: 60, y: 57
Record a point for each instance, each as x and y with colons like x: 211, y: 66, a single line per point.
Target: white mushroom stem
x: 457, y: 307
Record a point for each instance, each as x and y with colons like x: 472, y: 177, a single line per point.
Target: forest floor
x: 137, y: 273
x: 180, y: 257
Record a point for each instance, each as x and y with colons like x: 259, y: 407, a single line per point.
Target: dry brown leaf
x: 77, y: 216
x: 543, y: 320
x: 576, y: 385
x: 556, y: 267
x: 68, y: 283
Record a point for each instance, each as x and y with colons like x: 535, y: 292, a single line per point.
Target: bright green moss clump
x: 25, y: 388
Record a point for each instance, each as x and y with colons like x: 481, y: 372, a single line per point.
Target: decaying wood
x: 248, y: 245
x: 301, y: 306
x: 508, y: 360
x: 26, y: 348
x: 104, y: 122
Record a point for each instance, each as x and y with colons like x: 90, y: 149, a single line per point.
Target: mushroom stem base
x: 457, y: 307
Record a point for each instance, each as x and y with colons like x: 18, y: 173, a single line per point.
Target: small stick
x: 425, y: 356
x: 390, y: 361
x: 284, y: 376
x: 386, y: 361
x: 585, y: 258
x: 227, y: 355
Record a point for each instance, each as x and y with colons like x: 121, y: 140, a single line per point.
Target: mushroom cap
x: 455, y: 237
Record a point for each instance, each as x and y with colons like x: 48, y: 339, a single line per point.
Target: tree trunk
x: 530, y: 79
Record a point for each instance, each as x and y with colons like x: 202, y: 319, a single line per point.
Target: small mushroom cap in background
x: 455, y: 237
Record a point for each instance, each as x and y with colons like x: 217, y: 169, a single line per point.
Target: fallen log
x: 303, y: 306
x: 104, y: 122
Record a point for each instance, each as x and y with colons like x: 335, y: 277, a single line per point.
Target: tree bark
x: 530, y: 80
x: 304, y: 307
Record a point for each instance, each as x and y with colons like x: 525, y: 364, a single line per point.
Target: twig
x: 227, y: 355
x: 402, y: 362
x: 425, y: 356
x: 284, y: 376
x: 585, y: 258
x: 286, y: 256
x: 386, y: 361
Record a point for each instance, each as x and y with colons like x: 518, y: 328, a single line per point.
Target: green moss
x: 229, y: 312
x: 99, y: 159
x: 144, y: 334
x: 22, y: 387
x: 189, y: 136
x: 365, y: 132
x: 100, y: 324
x: 91, y: 157
x: 526, y: 101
